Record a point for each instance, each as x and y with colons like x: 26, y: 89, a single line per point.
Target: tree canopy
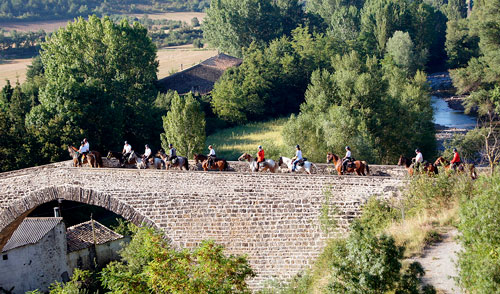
x: 99, y: 84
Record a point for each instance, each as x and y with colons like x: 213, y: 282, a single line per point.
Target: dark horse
x: 359, y: 166
x: 93, y: 158
x: 408, y: 164
x: 117, y: 155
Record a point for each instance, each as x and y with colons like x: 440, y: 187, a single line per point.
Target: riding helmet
x: 210, y: 146
x: 126, y: 142
x: 260, y: 147
x: 147, y: 146
x: 347, y: 147
x: 417, y: 150
x: 455, y: 150
x: 297, y: 146
x: 170, y: 145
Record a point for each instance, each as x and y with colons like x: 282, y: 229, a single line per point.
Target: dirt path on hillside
x: 439, y: 264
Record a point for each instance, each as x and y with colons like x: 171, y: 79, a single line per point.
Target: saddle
x: 175, y: 160
x: 302, y: 162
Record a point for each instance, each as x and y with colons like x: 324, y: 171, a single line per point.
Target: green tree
x: 99, y: 84
x: 460, y: 44
x: 184, y: 125
x: 151, y: 265
x: 232, y: 25
x: 401, y: 50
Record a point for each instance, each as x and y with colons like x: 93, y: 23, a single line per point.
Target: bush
x: 479, y: 262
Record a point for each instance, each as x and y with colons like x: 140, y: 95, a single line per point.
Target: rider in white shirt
x: 347, y: 158
x: 211, y: 156
x: 147, y: 154
x: 419, y: 159
x: 297, y: 158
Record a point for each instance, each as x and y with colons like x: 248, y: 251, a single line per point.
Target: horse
x: 461, y: 167
x: 140, y: 163
x: 269, y: 164
x: 199, y: 158
x: 93, y: 158
x: 408, y: 164
x: 307, y: 167
x: 359, y: 166
x: 180, y: 161
x: 117, y: 155
x: 218, y: 164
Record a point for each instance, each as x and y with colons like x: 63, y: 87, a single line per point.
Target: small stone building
x: 41, y: 251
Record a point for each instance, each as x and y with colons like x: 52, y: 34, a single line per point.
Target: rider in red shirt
x: 260, y: 156
x: 456, y: 159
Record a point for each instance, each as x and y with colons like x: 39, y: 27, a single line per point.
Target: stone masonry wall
x: 272, y: 218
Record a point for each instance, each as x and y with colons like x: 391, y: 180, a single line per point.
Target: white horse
x: 157, y: 163
x: 289, y: 163
x: 269, y: 164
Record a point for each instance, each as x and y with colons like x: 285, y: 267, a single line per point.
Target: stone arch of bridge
x: 12, y: 217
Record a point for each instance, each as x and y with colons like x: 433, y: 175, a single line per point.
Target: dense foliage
x: 232, y: 25
x: 54, y: 9
x: 151, y: 265
x: 479, y: 262
x: 184, y: 126
x: 355, y: 103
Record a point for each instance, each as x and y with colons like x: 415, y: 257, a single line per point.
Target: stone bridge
x: 275, y: 219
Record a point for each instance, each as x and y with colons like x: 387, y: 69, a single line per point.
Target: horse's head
x: 402, y: 160
x: 440, y: 161
x: 244, y: 156
x: 329, y: 157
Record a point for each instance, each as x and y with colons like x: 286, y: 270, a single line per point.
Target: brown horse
x: 359, y: 166
x: 93, y: 158
x: 218, y: 164
x: 461, y: 167
x: 408, y: 164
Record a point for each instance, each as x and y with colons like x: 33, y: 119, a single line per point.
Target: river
x: 445, y: 116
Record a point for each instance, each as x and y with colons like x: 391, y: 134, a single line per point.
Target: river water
x: 445, y: 116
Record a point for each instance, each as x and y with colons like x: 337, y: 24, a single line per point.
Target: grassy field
x: 13, y: 70
x: 170, y: 58
x: 52, y: 25
x: 231, y: 143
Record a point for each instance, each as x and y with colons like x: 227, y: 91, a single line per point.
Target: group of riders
x: 418, y: 163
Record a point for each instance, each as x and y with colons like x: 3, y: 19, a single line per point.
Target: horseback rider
x: 211, y: 156
x: 84, y: 150
x: 127, y: 149
x: 172, y: 153
x: 298, y: 157
x: 260, y: 157
x: 347, y: 158
x: 418, y: 160
x: 456, y: 161
x: 147, y: 154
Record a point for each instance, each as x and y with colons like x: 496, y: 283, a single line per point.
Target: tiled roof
x: 199, y: 78
x: 80, y: 236
x: 31, y: 230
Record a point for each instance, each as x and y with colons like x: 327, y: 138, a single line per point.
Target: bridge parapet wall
x: 272, y: 218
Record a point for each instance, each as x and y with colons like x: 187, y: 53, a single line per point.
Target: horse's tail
x: 473, y: 172
x: 186, y: 164
x: 99, y: 160
x: 226, y: 165
x: 367, y: 167
x: 436, y: 170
